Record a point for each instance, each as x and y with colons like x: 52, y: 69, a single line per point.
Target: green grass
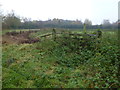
x: 50, y: 64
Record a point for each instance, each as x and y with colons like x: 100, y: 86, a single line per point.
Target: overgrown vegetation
x: 67, y: 62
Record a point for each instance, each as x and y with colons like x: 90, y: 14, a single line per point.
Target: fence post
x: 20, y: 31
x: 99, y: 33
x: 84, y: 28
x: 54, y: 34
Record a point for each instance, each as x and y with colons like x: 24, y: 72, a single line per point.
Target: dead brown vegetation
x: 18, y: 38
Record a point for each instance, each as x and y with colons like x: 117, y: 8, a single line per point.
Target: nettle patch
x: 75, y: 50
x: 100, y: 54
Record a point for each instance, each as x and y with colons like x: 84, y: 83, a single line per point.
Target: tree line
x: 12, y: 21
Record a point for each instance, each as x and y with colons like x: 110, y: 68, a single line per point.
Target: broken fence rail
x: 72, y: 34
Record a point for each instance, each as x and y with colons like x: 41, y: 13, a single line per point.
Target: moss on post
x: 84, y: 28
x: 54, y: 34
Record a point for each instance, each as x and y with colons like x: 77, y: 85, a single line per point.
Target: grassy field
x: 64, y: 63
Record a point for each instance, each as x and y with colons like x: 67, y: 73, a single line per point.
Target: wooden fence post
x: 84, y: 28
x: 54, y: 34
x: 20, y: 31
x: 99, y: 34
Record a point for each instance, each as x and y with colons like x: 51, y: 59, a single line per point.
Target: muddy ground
x: 18, y: 38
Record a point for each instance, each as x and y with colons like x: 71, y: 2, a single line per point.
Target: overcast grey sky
x: 119, y: 10
x: 95, y: 10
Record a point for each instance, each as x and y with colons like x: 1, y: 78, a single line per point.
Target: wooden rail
x: 71, y: 34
